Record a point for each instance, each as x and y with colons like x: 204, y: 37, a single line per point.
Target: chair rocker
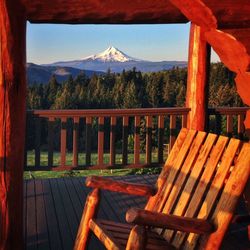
x: 191, y: 205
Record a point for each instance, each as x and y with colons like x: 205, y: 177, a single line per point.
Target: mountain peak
x: 111, y: 54
x: 111, y: 48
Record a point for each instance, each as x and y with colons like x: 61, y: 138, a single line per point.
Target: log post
x: 89, y: 212
x: 12, y: 122
x: 198, y: 76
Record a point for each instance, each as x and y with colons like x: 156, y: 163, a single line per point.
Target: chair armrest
x: 120, y: 186
x: 180, y: 223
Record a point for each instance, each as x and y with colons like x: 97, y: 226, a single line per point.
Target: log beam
x: 197, y: 83
x: 12, y: 122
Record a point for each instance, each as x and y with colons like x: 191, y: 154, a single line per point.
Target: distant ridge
x: 42, y: 74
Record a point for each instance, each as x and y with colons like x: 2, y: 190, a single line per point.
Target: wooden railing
x: 60, y: 132
x: 228, y: 121
x: 58, y: 127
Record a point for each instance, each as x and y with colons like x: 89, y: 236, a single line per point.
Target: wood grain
x: 89, y: 213
x: 137, y: 238
x: 167, y: 168
x: 12, y: 122
x: 216, y: 186
x: 229, y: 199
x: 193, y: 179
x: 120, y: 186
x: 197, y: 82
x: 203, y: 183
x: 180, y: 223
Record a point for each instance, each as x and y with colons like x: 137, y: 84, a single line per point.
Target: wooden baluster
x: 112, y: 140
x: 229, y: 125
x: 149, y: 139
x: 75, y: 141
x: 125, y: 140
x: 28, y: 121
x: 50, y: 141
x: 63, y: 140
x: 172, y: 131
x: 100, y: 140
x: 160, y: 138
x: 137, y: 140
x: 218, y: 124
x: 88, y: 140
x: 37, y: 141
x: 184, y: 121
x: 241, y: 127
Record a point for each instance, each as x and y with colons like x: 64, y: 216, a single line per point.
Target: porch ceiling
x: 98, y: 11
x: 229, y: 13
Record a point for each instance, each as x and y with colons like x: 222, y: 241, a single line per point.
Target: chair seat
x: 115, y: 235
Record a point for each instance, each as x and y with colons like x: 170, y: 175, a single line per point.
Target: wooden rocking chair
x: 191, y: 206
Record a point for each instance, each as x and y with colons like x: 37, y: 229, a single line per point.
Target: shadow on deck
x: 53, y: 209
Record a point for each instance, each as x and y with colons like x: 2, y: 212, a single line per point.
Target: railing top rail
x: 228, y: 110
x: 108, y: 112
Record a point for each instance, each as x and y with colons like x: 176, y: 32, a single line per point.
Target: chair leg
x: 137, y: 238
x: 89, y: 212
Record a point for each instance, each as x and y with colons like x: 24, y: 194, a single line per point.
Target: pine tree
x: 52, y: 90
x: 131, y: 97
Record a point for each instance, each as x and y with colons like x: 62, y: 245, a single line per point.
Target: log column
x: 197, y: 82
x: 12, y: 122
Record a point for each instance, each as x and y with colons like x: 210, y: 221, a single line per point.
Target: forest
x: 130, y: 89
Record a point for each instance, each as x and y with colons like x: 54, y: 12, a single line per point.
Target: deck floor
x: 53, y: 208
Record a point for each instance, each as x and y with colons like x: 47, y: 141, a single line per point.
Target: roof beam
x: 100, y: 12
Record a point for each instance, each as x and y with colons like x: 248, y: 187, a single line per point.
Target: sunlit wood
x: 124, y: 187
x: 200, y: 180
x: 197, y: 82
x: 89, y: 212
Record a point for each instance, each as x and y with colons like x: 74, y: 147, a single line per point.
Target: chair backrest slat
x: 169, y: 162
x: 176, y: 167
x: 203, y: 183
x: 228, y: 201
x: 183, y: 174
x: 192, y: 181
x: 216, y: 185
x: 197, y: 182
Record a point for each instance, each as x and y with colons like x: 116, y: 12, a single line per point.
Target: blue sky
x: 48, y: 43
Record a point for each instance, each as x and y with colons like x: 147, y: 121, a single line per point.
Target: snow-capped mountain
x: 111, y: 54
x: 117, y: 61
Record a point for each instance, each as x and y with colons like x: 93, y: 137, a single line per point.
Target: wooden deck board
x: 53, y: 208
x: 64, y: 226
x: 41, y: 219
x: 31, y: 235
x: 55, y: 241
